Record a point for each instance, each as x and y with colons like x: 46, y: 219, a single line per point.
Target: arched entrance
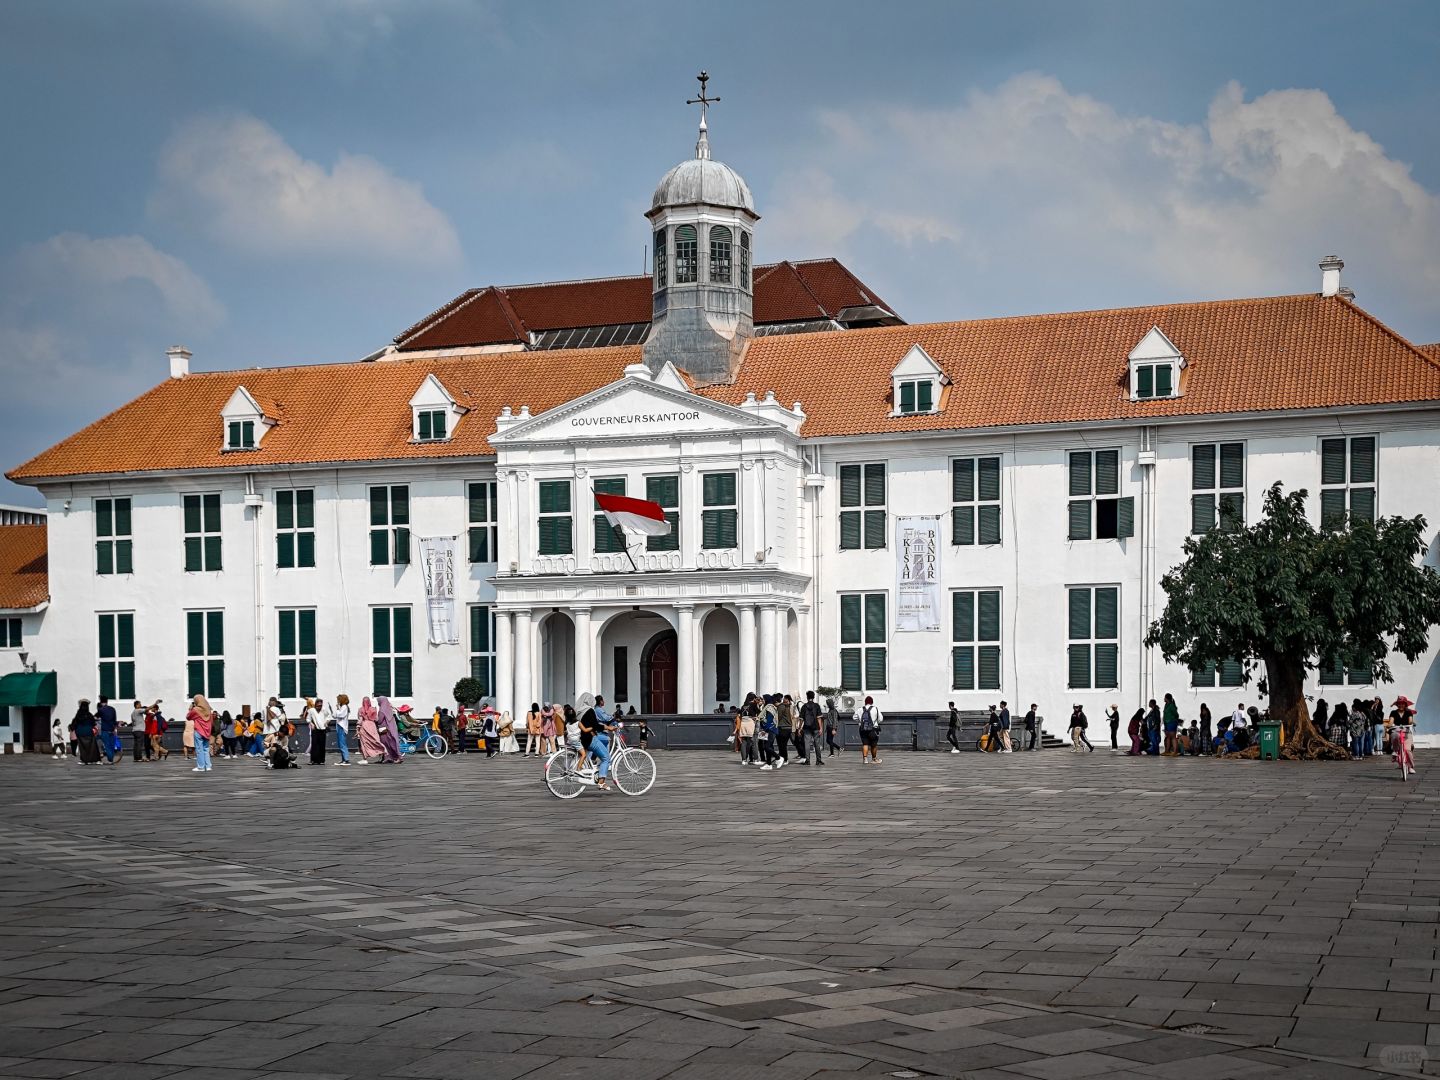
x: 658, y: 675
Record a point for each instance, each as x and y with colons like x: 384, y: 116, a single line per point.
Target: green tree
x: 1287, y: 595
x: 468, y: 692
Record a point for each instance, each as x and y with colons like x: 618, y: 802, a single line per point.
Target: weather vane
x: 703, y: 101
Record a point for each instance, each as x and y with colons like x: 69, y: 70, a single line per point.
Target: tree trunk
x: 1285, y: 678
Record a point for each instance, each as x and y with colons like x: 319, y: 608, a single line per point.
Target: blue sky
x: 274, y: 182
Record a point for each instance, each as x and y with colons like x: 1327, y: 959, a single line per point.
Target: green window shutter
x: 962, y: 525
x: 1332, y: 461
x: 924, y: 396
x: 717, y: 529
x: 305, y: 556
x: 1163, y: 375
x: 380, y: 546
x: 1359, y: 676
x: 425, y: 425
x: 437, y: 424
x: 718, y: 489
x: 287, y: 636
x: 1079, y: 667
x: 247, y: 433
x: 1232, y: 673
x: 849, y: 485
x: 1080, y: 519
x: 402, y: 629
x: 194, y: 633
x: 308, y: 681
x: 305, y: 509
x: 850, y: 669
x: 306, y: 632
x: 989, y: 468
x: 989, y: 667
x: 125, y: 679
x: 479, y: 501
x: 1332, y: 508
x: 402, y: 545
x: 1362, y: 460
x: 907, y: 397
x: 989, y: 524
x: 1107, y: 666
x: 400, y: 505
x: 1232, y: 509
x: 287, y: 679
x: 479, y: 629
x: 874, y: 485
x: 874, y: 617
x: 554, y: 496
x: 233, y: 436
x: 1107, y: 613
x: 729, y: 528
x: 874, y: 669
x: 1362, y: 504
x: 212, y: 553
x: 104, y: 517
x: 215, y: 676
x: 545, y: 536
x: 214, y: 633
x: 192, y: 513
x: 962, y: 667
x: 1202, y: 512
x: 613, y: 485
x: 1332, y: 672
x: 608, y: 538
x: 194, y: 677
x: 1080, y: 461
x: 381, y: 668
x: 403, y: 687
x: 285, y: 551
x: 1204, y: 675
x: 1232, y: 465
x: 671, y: 540
x: 874, y: 529
x: 104, y: 556
x: 663, y: 490
x: 962, y: 616
x: 849, y: 530
x: 479, y: 544
x: 107, y: 636
x: 212, y: 513
x: 379, y: 506
x: 1202, y: 467
x: 962, y: 480
x: 850, y: 623
x: 107, y: 680
x: 125, y: 635
x: 1125, y: 517
x: 380, y: 630
x: 122, y: 517
x: 1079, y: 614
x: 989, y: 615
x: 124, y: 557
x: 1146, y: 386
x: 284, y: 509
x: 1107, y: 472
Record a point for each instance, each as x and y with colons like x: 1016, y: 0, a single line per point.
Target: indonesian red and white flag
x: 633, y: 515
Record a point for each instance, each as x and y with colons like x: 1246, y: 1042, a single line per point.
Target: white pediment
x: 1155, y: 346
x: 432, y: 394
x: 242, y: 406
x: 916, y: 363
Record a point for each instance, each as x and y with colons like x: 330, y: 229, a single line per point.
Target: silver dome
x: 703, y: 180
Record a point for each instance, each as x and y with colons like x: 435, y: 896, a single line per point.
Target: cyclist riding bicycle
x: 595, y: 726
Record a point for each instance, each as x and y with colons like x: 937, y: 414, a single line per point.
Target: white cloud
x: 236, y: 179
x: 322, y: 25
x: 1067, y: 201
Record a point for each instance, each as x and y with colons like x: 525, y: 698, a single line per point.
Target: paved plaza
x: 1044, y: 915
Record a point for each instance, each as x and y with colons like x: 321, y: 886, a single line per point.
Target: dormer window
x: 244, y: 420
x: 241, y: 435
x: 1155, y: 366
x: 916, y: 384
x: 433, y: 412
x: 431, y: 424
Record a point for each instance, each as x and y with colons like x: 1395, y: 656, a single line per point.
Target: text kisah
x: 634, y: 418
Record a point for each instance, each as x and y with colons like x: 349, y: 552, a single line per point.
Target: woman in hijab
x: 83, y: 728
x: 200, y: 720
x: 372, y: 751
x: 389, y: 732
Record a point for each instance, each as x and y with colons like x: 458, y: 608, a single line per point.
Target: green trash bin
x: 1269, y: 742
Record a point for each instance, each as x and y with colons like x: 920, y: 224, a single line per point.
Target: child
x: 642, y: 732
x: 57, y: 736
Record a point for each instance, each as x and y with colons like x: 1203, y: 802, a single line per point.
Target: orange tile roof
x: 24, y: 567
x: 1289, y: 352
x: 1432, y: 351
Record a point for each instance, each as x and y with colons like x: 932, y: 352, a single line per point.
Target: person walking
x: 532, y: 728
x: 372, y: 750
x: 1032, y: 728
x: 547, y: 731
x: 745, y: 735
x: 785, y: 722
x: 199, y: 722
x: 317, y: 717
x: 1152, y: 728
x: 1005, y: 728
x: 490, y: 733
x: 59, y: 747
x: 340, y: 714
x: 109, y: 730
x: 1207, y: 735
x: 811, y: 722
x: 389, y: 731
x: 832, y: 726
x: 140, y: 741
x: 1112, y: 714
x: 1171, y: 720
x: 1078, y: 723
x: 952, y: 730
x: 869, y: 718
x: 187, y: 738
x: 87, y: 749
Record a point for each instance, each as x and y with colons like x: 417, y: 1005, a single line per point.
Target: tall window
x: 10, y: 636
x: 975, y: 629
x: 862, y: 641
x: 297, y: 653
x: 720, y: 515
x: 609, y: 538
x: 294, y: 528
x: 484, y: 522
x: 430, y: 425
x: 557, y: 532
x: 665, y: 490
x: 722, y: 671
x: 660, y: 253
x: 1096, y: 510
x: 685, y: 255
x: 975, y: 493
x: 1347, y: 480
x: 482, y: 647
x: 1155, y: 380
x: 240, y: 435
x: 621, y: 678
x: 1094, y: 658
x: 1218, y: 493
x: 917, y: 396
x: 202, y: 532
x: 1333, y: 672
x: 1230, y: 673
x: 745, y: 259
x: 117, y: 655
x: 721, y: 245
x: 205, y: 649
x: 390, y: 650
x: 862, y: 506
x: 390, y: 525
x: 113, y: 554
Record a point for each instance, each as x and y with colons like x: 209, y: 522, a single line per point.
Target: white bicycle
x: 632, y: 769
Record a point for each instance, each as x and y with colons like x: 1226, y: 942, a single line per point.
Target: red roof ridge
x: 447, y: 308
x: 1434, y: 361
x: 507, y: 309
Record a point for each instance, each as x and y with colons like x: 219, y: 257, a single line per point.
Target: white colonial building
x: 258, y: 532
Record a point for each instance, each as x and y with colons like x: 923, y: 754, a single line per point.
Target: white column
x: 807, y: 674
x: 524, y: 682
x: 685, y: 680
x: 504, y: 689
x: 769, y: 650
x: 745, y: 677
x: 584, y: 652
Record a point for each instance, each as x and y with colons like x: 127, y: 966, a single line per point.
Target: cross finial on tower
x: 702, y: 145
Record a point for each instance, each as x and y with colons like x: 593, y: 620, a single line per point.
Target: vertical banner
x: 917, y: 573
x: 437, y: 556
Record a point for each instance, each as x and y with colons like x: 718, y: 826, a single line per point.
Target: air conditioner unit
x: 848, y: 701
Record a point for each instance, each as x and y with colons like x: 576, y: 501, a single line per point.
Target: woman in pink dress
x: 547, y: 730
x: 371, y: 750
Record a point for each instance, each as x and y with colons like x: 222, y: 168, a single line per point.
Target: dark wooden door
x: 659, y: 697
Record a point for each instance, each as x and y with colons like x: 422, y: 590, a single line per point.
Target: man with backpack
x: 785, y: 718
x: 810, y: 725
x: 869, y: 718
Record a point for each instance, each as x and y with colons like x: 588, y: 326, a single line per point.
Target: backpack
x: 867, y: 721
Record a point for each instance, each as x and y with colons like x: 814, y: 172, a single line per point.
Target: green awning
x: 28, y: 688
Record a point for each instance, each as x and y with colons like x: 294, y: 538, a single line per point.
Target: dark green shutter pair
x: 719, y: 523
x: 555, y: 526
x: 295, y: 529
x: 390, y: 644
x: 202, y: 532
x: 862, y: 486
x: 205, y: 649
x: 113, y: 551
x: 608, y: 538
x: 664, y: 491
x: 432, y: 424
x: 390, y: 506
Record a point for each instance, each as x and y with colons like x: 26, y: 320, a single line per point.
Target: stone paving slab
x: 870, y: 926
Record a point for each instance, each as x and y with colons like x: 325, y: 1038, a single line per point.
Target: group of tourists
x: 771, y: 730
